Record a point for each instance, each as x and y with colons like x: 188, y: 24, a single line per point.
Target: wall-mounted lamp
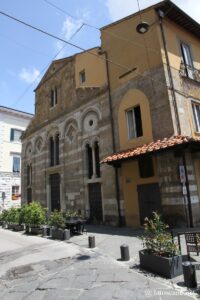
x: 143, y: 27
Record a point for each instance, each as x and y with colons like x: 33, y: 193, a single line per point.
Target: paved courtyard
x: 37, y: 268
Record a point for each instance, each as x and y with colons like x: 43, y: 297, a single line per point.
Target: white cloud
x: 70, y: 26
x: 29, y: 75
x: 121, y: 8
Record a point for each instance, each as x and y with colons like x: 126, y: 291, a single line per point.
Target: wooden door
x: 55, y: 191
x: 95, y: 202
x: 149, y: 200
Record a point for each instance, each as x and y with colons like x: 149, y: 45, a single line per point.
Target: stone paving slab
x: 84, y: 274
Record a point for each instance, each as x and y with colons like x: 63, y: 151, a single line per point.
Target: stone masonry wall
x: 174, y: 203
x: 71, y: 119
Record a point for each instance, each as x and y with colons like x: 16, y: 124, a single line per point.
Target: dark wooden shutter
x: 12, y: 134
x: 138, y: 121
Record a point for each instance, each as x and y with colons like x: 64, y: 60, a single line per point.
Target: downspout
x: 117, y: 191
x: 161, y: 16
x: 191, y: 223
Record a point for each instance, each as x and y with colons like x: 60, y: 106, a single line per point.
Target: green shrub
x: 4, y: 215
x: 13, y: 216
x: 156, y: 239
x: 57, y: 219
x: 33, y: 214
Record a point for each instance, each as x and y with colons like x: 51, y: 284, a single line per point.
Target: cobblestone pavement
x: 36, y: 268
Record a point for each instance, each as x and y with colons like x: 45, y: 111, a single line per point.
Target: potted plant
x: 11, y: 217
x: 14, y: 219
x: 4, y: 215
x: 160, y: 254
x: 34, y: 215
x: 57, y: 221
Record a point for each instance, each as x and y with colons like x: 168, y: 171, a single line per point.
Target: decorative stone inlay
x: 39, y: 145
x: 71, y: 134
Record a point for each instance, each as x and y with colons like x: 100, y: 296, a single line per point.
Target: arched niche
x: 134, y: 98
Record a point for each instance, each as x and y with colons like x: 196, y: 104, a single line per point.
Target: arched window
x: 89, y: 161
x: 29, y: 183
x: 54, y: 150
x: 29, y: 175
x: 97, y: 161
x: 53, y: 97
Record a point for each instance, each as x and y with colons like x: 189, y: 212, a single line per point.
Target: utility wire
x: 79, y: 47
x: 112, y: 33
x: 62, y: 40
x: 99, y: 29
x: 43, y: 70
x: 22, y: 45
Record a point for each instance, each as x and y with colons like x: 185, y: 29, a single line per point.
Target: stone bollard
x: 91, y: 241
x: 67, y: 234
x: 46, y: 231
x: 124, y: 252
x: 189, y: 274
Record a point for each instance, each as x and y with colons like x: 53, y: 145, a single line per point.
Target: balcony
x: 189, y: 72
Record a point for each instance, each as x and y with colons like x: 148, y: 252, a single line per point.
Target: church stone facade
x: 67, y: 138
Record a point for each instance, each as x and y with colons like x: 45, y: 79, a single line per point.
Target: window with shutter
x: 134, y: 122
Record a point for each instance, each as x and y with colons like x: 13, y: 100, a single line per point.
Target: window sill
x: 53, y: 169
x: 93, y: 180
x: 197, y: 133
x: 190, y: 79
x: 52, y: 107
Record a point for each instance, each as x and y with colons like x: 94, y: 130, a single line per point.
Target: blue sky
x: 25, y: 53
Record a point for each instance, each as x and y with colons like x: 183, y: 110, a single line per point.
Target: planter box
x: 4, y: 225
x: 35, y: 230
x: 10, y: 226
x: 18, y: 227
x: 168, y: 267
x: 59, y: 234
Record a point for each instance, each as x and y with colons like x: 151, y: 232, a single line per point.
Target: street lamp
x: 142, y: 27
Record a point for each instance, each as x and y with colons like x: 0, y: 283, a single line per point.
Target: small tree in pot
x: 14, y: 219
x: 160, y: 254
x: 4, y: 216
x: 34, y: 215
x: 57, y: 221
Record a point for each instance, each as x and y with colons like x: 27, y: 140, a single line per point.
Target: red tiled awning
x: 152, y: 147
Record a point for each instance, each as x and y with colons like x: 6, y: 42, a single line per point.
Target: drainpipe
x: 161, y: 16
x: 117, y: 190
x: 191, y: 223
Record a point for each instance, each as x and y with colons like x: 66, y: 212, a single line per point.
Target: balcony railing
x: 189, y: 72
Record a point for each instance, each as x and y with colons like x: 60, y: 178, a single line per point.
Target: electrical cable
x: 22, y: 45
x: 110, y: 32
x: 77, y: 46
x: 120, y: 37
x: 43, y: 70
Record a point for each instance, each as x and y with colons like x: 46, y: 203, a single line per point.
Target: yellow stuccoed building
x: 155, y: 90
x: 134, y: 105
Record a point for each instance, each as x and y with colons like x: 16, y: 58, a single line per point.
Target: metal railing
x: 189, y: 72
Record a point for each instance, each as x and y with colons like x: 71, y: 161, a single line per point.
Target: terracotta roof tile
x: 151, y: 147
